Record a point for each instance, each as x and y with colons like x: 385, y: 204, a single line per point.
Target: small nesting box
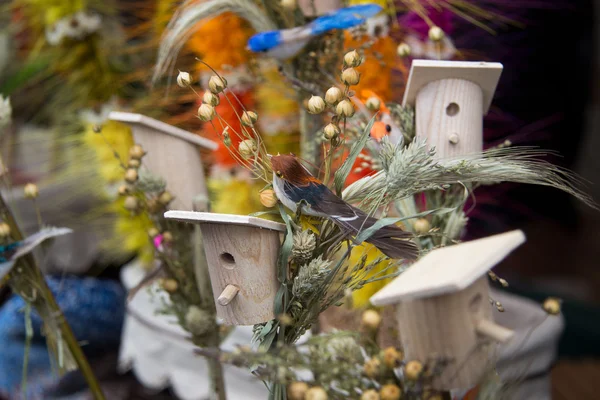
x: 450, y: 100
x: 173, y: 154
x: 443, y: 309
x: 242, y: 254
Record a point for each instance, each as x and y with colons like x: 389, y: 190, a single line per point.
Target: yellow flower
x: 114, y: 136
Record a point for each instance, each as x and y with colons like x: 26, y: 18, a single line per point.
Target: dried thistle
x: 310, y: 276
x: 304, y: 244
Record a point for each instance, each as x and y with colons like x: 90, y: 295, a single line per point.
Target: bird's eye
x: 279, y: 174
x: 388, y: 128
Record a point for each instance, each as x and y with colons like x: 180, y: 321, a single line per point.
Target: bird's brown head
x: 289, y: 168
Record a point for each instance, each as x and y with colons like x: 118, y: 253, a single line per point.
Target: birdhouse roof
x: 162, y: 127
x: 231, y: 219
x: 449, y: 269
x: 484, y: 74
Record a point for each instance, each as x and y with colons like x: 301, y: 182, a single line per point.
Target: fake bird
x: 286, y: 43
x: 10, y: 253
x: 293, y: 183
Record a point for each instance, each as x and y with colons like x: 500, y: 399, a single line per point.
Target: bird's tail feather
x: 390, y: 240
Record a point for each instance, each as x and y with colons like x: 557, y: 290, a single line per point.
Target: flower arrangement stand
x: 242, y: 254
x: 173, y: 154
x: 445, y: 294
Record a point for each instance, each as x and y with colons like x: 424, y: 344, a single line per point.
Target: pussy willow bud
x: 184, y: 79
x: 331, y: 131
x: 352, y: 59
x: 403, y: 50
x: 136, y: 151
x: 344, y: 109
x: 206, y: 112
x: 31, y: 191
x: 247, y: 148
x: 333, y: 95
x: 249, y: 118
x: 350, y: 77
x: 131, y: 175
x: 211, y: 98
x: 316, y: 105
x: 373, y: 103
x: 217, y: 84
x: 268, y: 198
x: 131, y: 203
x: 436, y: 33
x: 4, y: 230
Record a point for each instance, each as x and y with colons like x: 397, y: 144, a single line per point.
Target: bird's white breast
x: 280, y: 193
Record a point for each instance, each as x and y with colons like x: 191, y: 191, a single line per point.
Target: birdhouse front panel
x: 244, y: 257
x: 442, y: 331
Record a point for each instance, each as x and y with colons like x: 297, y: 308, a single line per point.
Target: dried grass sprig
x: 414, y: 169
x: 185, y: 22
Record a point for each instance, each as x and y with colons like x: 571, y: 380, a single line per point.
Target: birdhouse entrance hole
x: 227, y: 260
x: 452, y: 109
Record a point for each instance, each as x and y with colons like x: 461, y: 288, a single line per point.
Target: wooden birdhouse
x: 242, y: 254
x: 450, y: 100
x: 172, y: 154
x: 443, y: 309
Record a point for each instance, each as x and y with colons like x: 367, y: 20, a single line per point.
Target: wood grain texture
x: 172, y: 154
x: 246, y: 257
x: 443, y: 328
x: 449, y: 116
x: 228, y: 294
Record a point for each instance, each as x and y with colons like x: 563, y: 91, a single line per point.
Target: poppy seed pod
x: 247, y: 148
x: 352, y: 59
x: 333, y: 95
x: 211, y: 98
x: 206, y: 112
x: 184, y: 79
x: 350, y: 77
x: 373, y: 103
x: 344, y: 109
x: 249, y: 118
x: 331, y: 131
x: 316, y: 105
x: 217, y: 84
x: 137, y: 152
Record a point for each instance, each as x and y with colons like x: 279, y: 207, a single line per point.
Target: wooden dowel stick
x: 494, y: 331
x: 228, y: 294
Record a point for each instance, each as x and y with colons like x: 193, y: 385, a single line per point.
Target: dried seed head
x: 370, y: 320
x: 352, y: 59
x: 333, y: 95
x: 436, y: 33
x: 131, y: 175
x: 331, y: 131
x: 31, y: 191
x: 422, y: 226
x: 184, y: 79
x: 165, y: 198
x: 247, y: 148
x: 316, y: 393
x: 297, y: 390
x: 373, y: 103
x: 316, y: 105
x: 304, y: 243
x: 131, y: 203
x: 170, y: 285
x: 134, y: 163
x: 167, y: 237
x: 249, y: 118
x: 4, y: 230
x: 370, y: 394
x: 153, y: 206
x: 206, y: 112
x: 552, y: 306
x: 211, y: 98
x: 350, y: 77
x: 152, y: 232
x: 268, y: 198
x: 403, y: 50
x: 197, y: 321
x: 217, y: 84
x: 136, y: 152
x: 372, y: 367
x: 392, y: 357
x: 123, y: 190
x: 390, y: 392
x: 344, y: 109
x: 413, y: 370
x: 289, y: 5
